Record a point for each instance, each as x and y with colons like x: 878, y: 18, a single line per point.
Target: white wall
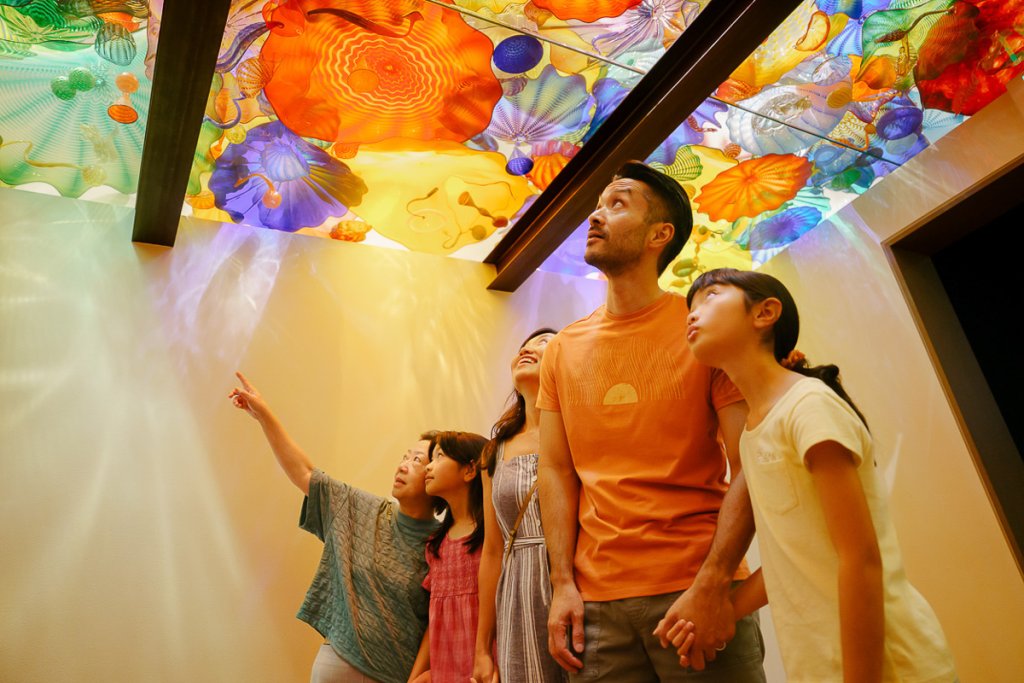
x: 146, y: 531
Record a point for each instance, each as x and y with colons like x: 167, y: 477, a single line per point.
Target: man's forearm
x: 707, y: 601
x: 732, y: 536
x: 559, y: 491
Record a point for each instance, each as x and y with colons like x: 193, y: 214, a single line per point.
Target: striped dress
x: 524, y: 589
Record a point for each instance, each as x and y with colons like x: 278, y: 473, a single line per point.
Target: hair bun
x: 794, y: 359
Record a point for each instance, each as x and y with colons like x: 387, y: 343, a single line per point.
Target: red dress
x: 454, y: 606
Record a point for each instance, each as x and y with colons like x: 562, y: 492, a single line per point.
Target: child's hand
x: 484, y: 670
x: 422, y: 678
x: 682, y: 636
x: 711, y: 606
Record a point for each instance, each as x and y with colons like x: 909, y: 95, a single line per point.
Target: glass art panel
x: 423, y: 124
x: 839, y: 96
x: 75, y: 80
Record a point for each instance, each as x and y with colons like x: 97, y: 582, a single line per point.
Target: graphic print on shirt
x: 596, y: 379
x: 620, y: 395
x: 766, y: 457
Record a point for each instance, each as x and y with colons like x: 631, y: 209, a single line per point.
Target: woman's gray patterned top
x: 366, y: 598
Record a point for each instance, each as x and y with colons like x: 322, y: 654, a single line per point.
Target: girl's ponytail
x: 829, y: 374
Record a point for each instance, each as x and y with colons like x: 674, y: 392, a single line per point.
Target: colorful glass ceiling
x: 419, y: 123
x: 75, y: 80
x: 840, y: 95
x: 433, y: 124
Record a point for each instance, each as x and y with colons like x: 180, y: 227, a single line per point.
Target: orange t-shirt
x: 640, y: 416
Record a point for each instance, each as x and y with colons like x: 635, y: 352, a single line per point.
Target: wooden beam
x: 190, y: 35
x: 721, y: 37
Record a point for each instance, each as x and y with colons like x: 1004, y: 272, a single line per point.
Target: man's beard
x: 614, y: 261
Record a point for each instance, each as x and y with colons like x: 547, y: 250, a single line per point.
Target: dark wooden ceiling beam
x: 190, y: 35
x: 702, y: 58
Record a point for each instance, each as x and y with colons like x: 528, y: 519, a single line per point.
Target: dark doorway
x: 960, y: 272
x: 982, y: 276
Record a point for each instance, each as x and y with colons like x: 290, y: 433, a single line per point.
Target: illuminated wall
x: 147, y: 533
x: 855, y: 316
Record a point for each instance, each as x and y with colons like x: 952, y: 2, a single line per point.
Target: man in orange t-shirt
x: 641, y: 530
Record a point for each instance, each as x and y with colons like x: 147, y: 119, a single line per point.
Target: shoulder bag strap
x: 519, y: 520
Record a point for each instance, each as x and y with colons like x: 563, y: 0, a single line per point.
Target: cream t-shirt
x: 801, y: 568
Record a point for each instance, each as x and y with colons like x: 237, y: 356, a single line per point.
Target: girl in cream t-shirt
x: 842, y: 606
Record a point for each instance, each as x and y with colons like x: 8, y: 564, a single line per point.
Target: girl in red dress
x: 453, y: 556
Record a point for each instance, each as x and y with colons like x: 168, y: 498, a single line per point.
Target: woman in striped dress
x: 515, y: 589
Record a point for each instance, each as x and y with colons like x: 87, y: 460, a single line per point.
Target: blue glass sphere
x: 519, y: 165
x: 518, y: 54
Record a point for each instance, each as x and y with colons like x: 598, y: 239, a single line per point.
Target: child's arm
x: 422, y: 664
x: 861, y: 614
x: 292, y: 459
x: 490, y: 569
x: 749, y: 596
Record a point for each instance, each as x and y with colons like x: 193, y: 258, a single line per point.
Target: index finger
x: 244, y: 381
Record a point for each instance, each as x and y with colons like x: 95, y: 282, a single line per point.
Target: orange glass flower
x: 354, y: 72
x: 586, y: 10
x: 549, y: 158
x: 754, y: 186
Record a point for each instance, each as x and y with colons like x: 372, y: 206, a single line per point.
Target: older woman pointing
x: 366, y: 598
